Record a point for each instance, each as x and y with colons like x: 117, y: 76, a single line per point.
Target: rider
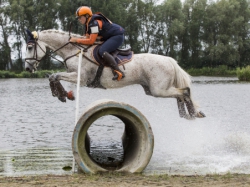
x: 111, y: 33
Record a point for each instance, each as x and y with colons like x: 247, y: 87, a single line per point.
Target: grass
x: 243, y: 74
x: 25, y: 74
x: 127, y: 180
x: 207, y: 71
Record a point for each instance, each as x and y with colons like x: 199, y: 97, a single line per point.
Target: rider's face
x: 82, y: 19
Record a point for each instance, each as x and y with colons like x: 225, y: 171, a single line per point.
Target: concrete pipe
x: 137, y: 139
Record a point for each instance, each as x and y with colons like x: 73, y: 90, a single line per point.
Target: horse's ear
x: 29, y: 34
x: 30, y: 38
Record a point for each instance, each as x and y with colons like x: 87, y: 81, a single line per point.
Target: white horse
x: 160, y: 76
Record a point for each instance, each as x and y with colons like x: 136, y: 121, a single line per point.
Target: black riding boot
x: 96, y: 82
x: 112, y: 63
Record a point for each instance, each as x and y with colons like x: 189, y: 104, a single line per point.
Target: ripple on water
x: 36, y: 129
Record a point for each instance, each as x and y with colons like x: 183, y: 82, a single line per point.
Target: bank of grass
x: 220, y: 71
x: 243, y: 74
x: 127, y: 180
x: 25, y: 74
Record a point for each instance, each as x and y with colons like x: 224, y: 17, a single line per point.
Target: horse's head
x: 35, y: 51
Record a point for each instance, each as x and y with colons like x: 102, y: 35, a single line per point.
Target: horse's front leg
x: 68, y: 77
x: 56, y: 87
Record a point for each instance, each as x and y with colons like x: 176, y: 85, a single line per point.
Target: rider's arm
x: 87, y: 41
x: 91, y: 38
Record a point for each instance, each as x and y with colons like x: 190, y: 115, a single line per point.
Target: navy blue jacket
x: 108, y: 29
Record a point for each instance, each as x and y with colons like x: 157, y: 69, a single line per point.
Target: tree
x: 66, y: 15
x: 241, y: 37
x: 195, y: 11
x: 132, y: 27
x: 169, y: 28
x: 5, y: 50
x: 34, y: 15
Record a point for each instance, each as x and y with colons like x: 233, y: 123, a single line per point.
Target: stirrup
x: 118, y: 76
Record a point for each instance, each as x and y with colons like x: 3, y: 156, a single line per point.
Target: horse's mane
x: 60, y: 32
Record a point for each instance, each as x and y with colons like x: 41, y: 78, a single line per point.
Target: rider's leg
x: 108, y: 46
x: 96, y: 82
x: 112, y: 63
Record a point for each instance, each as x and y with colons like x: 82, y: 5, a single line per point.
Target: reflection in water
x: 34, y: 161
x: 215, y: 80
x: 107, y: 149
x: 36, y: 128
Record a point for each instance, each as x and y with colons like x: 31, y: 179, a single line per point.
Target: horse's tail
x: 182, y: 78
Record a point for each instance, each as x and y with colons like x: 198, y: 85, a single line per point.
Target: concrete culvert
x: 137, y: 139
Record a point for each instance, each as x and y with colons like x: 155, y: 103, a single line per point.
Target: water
x: 36, y: 128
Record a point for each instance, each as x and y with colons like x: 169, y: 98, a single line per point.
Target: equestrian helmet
x: 84, y: 11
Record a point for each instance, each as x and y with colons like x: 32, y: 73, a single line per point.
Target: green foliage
x: 207, y: 71
x: 198, y: 33
x: 25, y: 74
x: 7, y: 74
x: 243, y: 74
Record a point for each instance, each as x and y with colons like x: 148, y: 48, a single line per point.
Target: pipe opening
x: 105, y: 142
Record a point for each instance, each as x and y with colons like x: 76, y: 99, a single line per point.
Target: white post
x: 77, y: 95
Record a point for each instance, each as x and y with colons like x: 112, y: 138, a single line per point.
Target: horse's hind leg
x: 182, y: 111
x: 189, y: 103
x: 181, y: 107
x: 190, y: 106
x: 180, y: 94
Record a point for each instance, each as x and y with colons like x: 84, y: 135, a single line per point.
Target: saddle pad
x: 120, y: 59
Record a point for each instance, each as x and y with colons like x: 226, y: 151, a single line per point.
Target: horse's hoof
x: 200, y: 114
x: 189, y: 117
x: 95, y: 85
x: 63, y: 99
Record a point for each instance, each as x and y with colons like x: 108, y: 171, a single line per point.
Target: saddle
x: 121, y: 56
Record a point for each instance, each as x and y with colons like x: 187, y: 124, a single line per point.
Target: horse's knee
x: 54, y: 77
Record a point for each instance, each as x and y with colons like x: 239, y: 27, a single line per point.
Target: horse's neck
x: 56, y: 39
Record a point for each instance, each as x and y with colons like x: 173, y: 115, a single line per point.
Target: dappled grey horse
x: 160, y: 76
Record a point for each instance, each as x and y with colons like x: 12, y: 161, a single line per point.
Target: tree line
x: 197, y: 33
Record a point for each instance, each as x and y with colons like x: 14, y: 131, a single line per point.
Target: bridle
x: 35, y: 57
x: 36, y: 45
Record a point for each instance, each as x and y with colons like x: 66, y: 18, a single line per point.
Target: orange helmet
x: 83, y: 11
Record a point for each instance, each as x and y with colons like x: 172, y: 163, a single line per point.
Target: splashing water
x: 36, y: 126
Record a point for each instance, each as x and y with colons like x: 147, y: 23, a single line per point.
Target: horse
x: 160, y: 76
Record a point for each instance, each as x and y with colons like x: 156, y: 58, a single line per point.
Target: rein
x: 52, y: 52
x: 35, y: 43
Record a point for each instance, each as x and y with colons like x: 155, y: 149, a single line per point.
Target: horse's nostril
x: 27, y: 69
